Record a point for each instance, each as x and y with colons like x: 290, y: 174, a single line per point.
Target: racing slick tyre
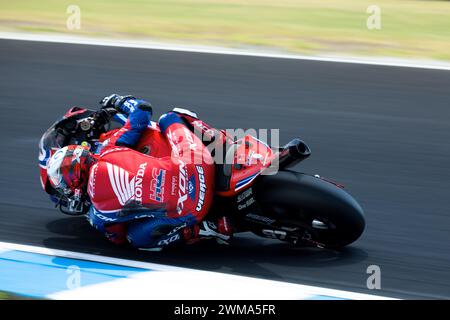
x: 325, y: 211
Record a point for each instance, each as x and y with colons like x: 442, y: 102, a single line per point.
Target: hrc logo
x: 157, y: 185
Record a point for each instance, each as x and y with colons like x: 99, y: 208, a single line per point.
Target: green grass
x: 410, y: 28
x: 8, y: 296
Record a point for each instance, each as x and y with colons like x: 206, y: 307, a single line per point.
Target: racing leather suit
x: 146, y: 200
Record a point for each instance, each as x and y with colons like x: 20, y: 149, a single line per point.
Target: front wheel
x: 323, y: 211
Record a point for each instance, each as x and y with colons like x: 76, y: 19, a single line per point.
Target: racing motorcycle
x: 299, y: 208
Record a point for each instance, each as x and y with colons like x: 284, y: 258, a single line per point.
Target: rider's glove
x: 125, y: 104
x: 110, y: 101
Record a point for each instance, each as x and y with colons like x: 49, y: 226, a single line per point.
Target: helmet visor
x: 54, y: 171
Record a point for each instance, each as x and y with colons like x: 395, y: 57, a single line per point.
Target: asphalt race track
x: 383, y: 132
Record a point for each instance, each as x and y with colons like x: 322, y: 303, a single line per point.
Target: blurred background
x: 381, y: 130
x: 394, y: 28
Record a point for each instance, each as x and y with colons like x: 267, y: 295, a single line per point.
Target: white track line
x: 87, y: 257
x: 195, y: 279
x: 154, y: 45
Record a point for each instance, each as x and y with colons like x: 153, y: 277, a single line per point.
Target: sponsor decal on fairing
x: 173, y: 187
x: 202, y: 188
x: 157, y: 184
x: 168, y: 241
x: 182, y: 186
x: 138, y: 183
x: 125, y: 188
x: 192, y: 188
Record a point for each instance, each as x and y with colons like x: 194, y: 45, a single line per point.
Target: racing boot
x: 221, y: 230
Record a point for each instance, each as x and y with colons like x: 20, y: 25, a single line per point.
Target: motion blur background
x: 382, y: 131
x: 409, y: 28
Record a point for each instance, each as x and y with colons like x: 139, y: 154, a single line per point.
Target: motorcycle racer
x: 147, y: 201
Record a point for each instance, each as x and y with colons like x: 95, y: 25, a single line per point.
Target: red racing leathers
x: 149, y: 200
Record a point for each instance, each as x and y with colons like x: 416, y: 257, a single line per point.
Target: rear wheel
x: 325, y: 213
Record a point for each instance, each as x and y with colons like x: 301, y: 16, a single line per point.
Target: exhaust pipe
x: 292, y: 153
